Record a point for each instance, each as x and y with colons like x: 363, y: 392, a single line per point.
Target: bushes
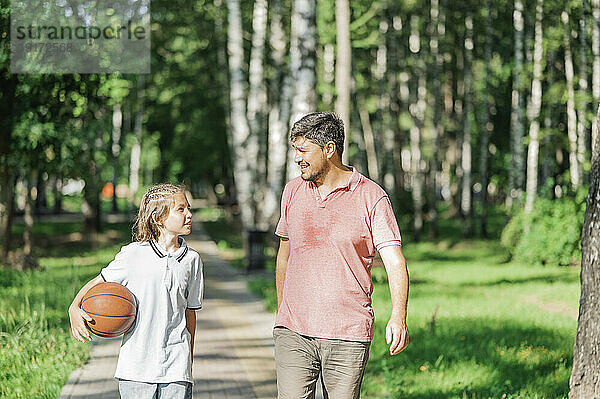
x: 551, y: 234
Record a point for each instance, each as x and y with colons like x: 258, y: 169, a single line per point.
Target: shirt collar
x: 161, y: 252
x: 354, y: 179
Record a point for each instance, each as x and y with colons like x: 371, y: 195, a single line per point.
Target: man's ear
x: 330, y: 149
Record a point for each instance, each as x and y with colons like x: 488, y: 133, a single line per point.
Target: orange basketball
x: 112, y: 308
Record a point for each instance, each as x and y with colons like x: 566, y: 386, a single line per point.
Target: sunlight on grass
x: 37, y: 353
x: 480, y: 326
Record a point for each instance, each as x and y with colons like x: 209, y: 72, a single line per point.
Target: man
x: 332, y: 221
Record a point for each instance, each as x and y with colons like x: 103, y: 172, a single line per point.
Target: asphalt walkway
x: 233, y: 349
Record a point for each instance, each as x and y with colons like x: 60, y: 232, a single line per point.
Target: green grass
x: 37, y: 353
x: 501, y: 330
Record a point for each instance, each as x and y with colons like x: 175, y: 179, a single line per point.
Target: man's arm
x: 190, y: 323
x: 396, y: 332
x: 283, y: 255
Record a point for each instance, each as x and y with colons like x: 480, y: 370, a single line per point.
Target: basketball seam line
x: 118, y: 296
x: 110, y: 333
x: 107, y: 315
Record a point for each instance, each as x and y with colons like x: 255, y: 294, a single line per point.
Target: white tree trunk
x: 257, y: 101
x: 515, y: 180
x: 417, y: 110
x: 487, y: 126
x: 328, y: 72
x: 380, y: 73
x: 278, y: 148
x: 372, y: 166
x: 582, y: 104
x: 466, y: 202
x: 28, y: 217
x: 303, y: 44
x: 571, y: 114
x: 279, y: 115
x: 117, y: 121
x: 536, y: 104
x: 136, y: 148
x: 343, y: 68
x: 438, y: 27
x: 240, y: 132
x: 596, y: 67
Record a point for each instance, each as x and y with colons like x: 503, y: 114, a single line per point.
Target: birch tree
x: 257, y: 101
x: 536, y: 104
x: 583, y: 88
x: 303, y: 44
x: 28, y: 262
x: 365, y: 121
x: 117, y: 123
x: 596, y: 62
x: 571, y: 114
x: 383, y: 77
x: 136, y: 148
x: 487, y: 126
x: 515, y: 180
x: 585, y: 378
x: 343, y: 67
x: 417, y: 110
x: 279, y: 115
x: 438, y: 29
x: 466, y: 202
x: 242, y: 145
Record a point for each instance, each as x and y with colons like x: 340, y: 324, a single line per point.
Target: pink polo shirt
x: 328, y: 286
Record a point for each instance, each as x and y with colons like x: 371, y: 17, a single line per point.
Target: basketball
x: 112, y: 308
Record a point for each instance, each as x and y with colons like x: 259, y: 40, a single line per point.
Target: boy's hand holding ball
x: 78, y: 329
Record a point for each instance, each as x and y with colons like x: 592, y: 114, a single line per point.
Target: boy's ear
x: 155, y: 219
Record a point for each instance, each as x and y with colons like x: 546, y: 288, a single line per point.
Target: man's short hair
x: 320, y: 128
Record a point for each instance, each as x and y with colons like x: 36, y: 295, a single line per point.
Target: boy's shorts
x: 149, y: 390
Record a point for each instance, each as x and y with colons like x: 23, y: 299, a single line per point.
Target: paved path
x: 233, y: 350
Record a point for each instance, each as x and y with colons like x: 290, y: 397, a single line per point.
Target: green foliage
x: 264, y: 287
x: 35, y: 342
x: 499, y: 329
x: 550, y: 234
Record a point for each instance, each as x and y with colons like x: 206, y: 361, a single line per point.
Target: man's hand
x: 396, y: 335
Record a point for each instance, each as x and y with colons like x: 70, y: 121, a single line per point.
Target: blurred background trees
x: 453, y: 107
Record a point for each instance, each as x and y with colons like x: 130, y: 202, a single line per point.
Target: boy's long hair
x: 157, y: 201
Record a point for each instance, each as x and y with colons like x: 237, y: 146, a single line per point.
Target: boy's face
x: 179, y: 220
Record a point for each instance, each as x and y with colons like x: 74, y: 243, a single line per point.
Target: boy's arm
x: 283, y: 254
x: 77, y: 315
x: 190, y: 323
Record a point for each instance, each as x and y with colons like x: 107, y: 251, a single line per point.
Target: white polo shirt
x: 157, y: 347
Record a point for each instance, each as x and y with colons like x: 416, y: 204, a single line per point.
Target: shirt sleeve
x: 384, y: 227
x: 282, y: 227
x: 195, y: 289
x: 117, y: 271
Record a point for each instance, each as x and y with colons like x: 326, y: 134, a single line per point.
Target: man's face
x: 311, y: 159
